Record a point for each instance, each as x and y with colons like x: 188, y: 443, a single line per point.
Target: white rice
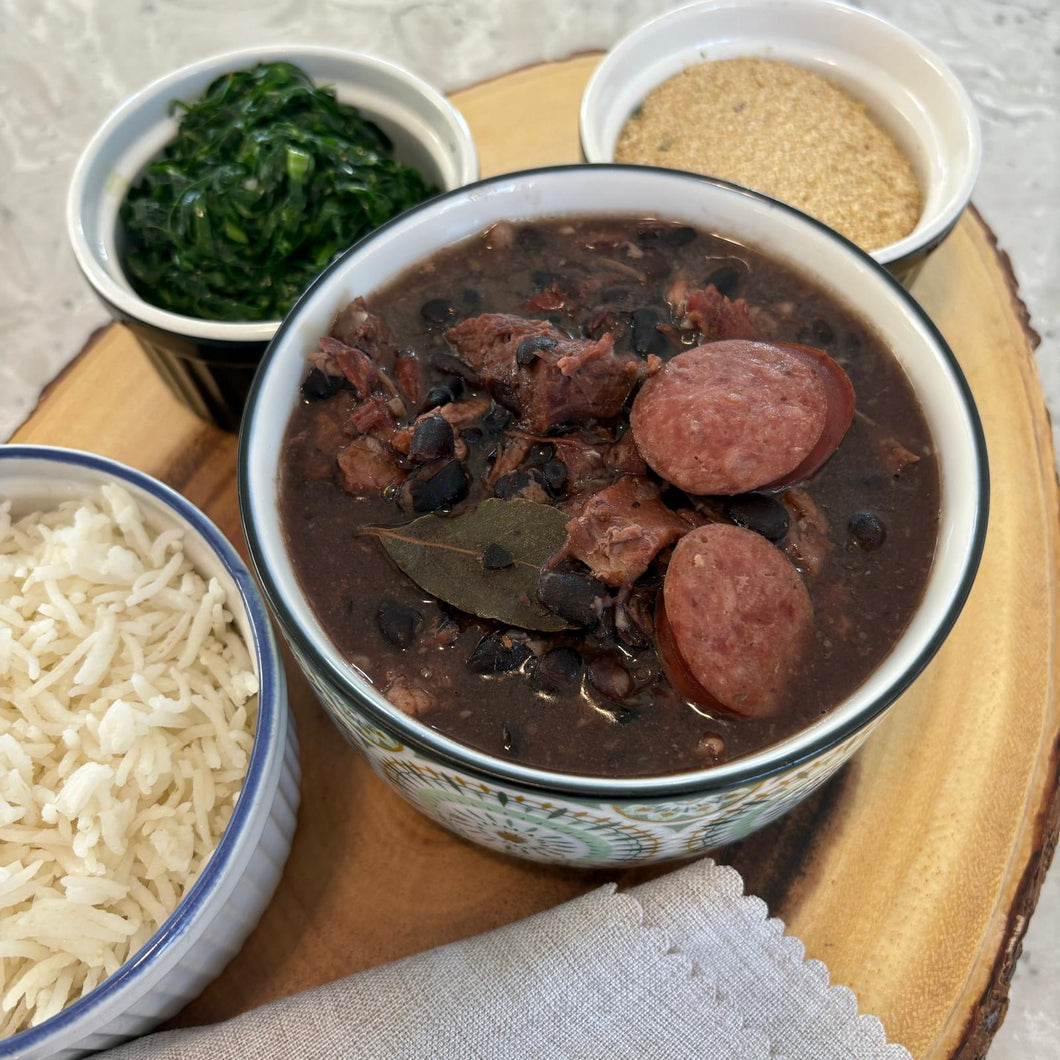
x: 127, y: 710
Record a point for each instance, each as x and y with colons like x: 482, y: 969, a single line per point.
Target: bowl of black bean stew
x: 608, y: 508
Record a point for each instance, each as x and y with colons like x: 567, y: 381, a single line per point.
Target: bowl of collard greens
x: 210, y: 199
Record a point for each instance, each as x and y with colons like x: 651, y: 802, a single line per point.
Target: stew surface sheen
x: 861, y: 530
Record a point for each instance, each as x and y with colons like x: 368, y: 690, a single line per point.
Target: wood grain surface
x: 912, y: 874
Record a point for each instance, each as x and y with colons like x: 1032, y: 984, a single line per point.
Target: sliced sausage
x: 840, y: 393
x: 733, y: 620
x: 734, y: 416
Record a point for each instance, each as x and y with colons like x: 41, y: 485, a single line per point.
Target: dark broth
x: 606, y: 272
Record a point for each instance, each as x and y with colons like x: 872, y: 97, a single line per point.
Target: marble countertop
x: 63, y: 66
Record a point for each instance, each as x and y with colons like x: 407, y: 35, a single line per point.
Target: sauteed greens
x: 266, y: 181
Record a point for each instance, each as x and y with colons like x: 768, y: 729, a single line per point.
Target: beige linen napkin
x: 685, y: 966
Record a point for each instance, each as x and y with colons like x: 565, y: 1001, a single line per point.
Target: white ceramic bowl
x: 208, y: 363
x: 210, y: 924
x: 909, y: 91
x: 587, y: 820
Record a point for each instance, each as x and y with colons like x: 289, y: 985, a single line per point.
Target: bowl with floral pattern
x: 567, y: 816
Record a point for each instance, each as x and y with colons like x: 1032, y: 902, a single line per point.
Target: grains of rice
x: 127, y: 708
x: 785, y: 131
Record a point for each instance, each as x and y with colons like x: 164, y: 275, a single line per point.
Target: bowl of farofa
x: 824, y: 106
x: 149, y: 779
x: 244, y: 208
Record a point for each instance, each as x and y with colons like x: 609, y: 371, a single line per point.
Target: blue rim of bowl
x: 704, y: 781
x: 266, y: 732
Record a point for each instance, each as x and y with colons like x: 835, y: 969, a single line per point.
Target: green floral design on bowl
x: 541, y: 830
x: 572, y: 830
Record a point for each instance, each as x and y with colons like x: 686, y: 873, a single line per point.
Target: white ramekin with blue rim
x: 221, y: 908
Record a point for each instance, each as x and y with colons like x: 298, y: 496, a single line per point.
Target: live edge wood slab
x: 912, y: 874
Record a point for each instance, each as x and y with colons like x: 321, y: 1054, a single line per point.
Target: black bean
x: 397, y: 622
x: 867, y: 530
x: 319, y: 385
x: 644, y: 321
x: 609, y: 676
x: 649, y: 233
x: 621, y: 713
x: 563, y: 663
x: 472, y: 435
x: 725, y: 280
x: 498, y: 653
x: 470, y: 299
x: 579, y: 598
x: 528, y: 349
x: 678, y: 235
x: 437, y: 311
x: 442, y: 394
x: 556, y: 671
x: 433, y: 439
x: 507, y: 486
x: 497, y: 557
x: 540, y: 454
x: 647, y: 338
x: 759, y: 512
x: 554, y: 472
x: 674, y: 498
x: 446, y: 487
x: 451, y: 365
x: 495, y: 419
x: 822, y: 332
x: 817, y: 333
x: 530, y: 239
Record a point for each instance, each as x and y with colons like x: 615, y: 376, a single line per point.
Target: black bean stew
x: 593, y: 496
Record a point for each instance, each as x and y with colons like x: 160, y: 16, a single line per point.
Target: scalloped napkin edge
x: 684, y: 966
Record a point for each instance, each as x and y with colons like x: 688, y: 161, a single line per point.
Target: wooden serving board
x: 912, y: 874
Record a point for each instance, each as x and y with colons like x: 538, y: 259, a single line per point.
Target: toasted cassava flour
x: 127, y: 710
x: 786, y: 131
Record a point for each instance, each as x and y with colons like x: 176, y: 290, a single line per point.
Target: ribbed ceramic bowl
x: 209, y: 364
x: 587, y: 820
x: 210, y: 924
x: 906, y: 88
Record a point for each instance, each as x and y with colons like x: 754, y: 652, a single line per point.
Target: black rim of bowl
x: 426, y: 740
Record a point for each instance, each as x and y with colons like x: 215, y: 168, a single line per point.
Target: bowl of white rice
x: 148, y: 763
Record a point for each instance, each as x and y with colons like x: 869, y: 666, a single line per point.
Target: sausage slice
x: 734, y: 620
x: 734, y: 416
x: 840, y: 394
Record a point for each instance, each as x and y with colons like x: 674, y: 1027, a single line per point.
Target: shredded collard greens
x: 266, y: 181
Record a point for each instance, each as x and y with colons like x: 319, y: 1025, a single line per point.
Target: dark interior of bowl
x: 375, y: 508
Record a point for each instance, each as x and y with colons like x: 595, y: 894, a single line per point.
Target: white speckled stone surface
x: 65, y: 64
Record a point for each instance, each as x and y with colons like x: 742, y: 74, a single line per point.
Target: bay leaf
x: 444, y: 556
